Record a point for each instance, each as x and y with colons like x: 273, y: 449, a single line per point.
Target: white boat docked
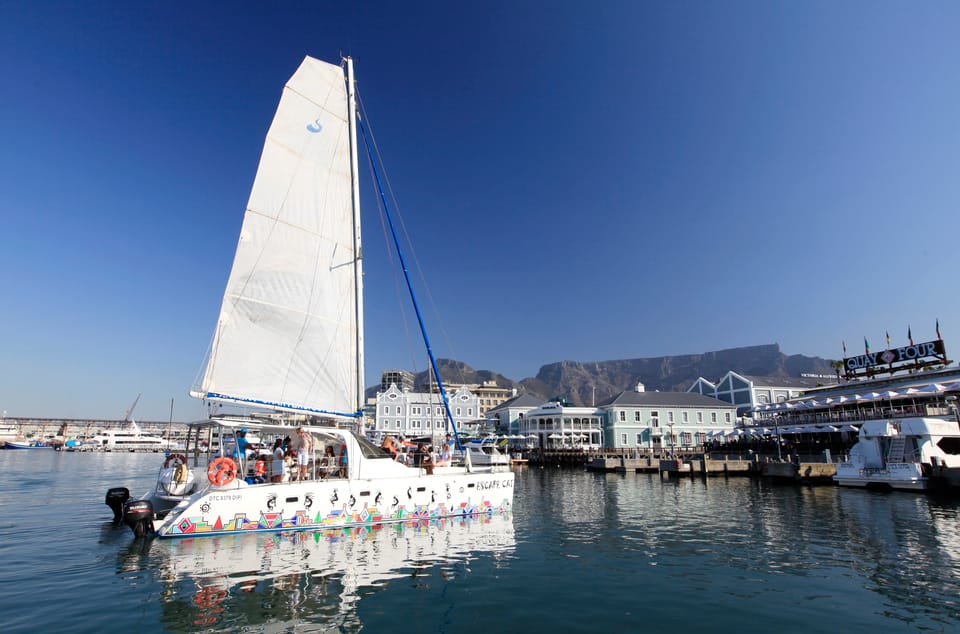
x: 486, y: 452
x: 901, y: 453
x: 8, y: 432
x: 131, y: 438
x: 290, y: 340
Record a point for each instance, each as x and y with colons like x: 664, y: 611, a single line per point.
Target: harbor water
x: 581, y: 552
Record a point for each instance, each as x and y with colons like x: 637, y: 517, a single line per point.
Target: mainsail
x: 288, y: 335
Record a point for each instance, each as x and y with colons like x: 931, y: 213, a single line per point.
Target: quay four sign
x: 917, y: 355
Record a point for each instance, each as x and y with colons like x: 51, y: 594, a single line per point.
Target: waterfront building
x: 747, y: 391
x: 932, y: 392
x: 422, y: 414
x: 509, y: 413
x: 656, y: 420
x: 555, y: 426
x: 489, y: 393
x: 401, y: 378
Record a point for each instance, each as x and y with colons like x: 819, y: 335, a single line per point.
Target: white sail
x: 287, y: 335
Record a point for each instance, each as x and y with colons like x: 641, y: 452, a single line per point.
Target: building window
x: 686, y: 417
x: 386, y: 409
x: 699, y: 417
x: 469, y: 411
x: 398, y: 409
x: 623, y: 440
x: 686, y: 439
x: 458, y: 411
x: 655, y: 422
x: 623, y: 416
x: 670, y: 416
x: 726, y: 417
x: 636, y: 416
x: 713, y: 417
x: 639, y: 439
x: 415, y: 424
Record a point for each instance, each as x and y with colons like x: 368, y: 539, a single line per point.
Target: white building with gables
x: 402, y: 412
x: 746, y: 391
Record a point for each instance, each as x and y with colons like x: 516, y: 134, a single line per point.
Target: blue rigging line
x: 406, y: 276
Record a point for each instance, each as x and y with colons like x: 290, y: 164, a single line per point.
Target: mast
x: 358, y: 253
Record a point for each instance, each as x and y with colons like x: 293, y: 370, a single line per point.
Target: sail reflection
x: 316, y: 579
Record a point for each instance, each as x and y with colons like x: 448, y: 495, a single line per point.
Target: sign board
x: 919, y: 355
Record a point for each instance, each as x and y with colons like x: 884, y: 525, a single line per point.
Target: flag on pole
x: 844, y: 344
x: 938, y: 329
x: 887, y: 332
x: 866, y: 345
x: 909, y: 335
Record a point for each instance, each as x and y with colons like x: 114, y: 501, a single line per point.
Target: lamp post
x: 673, y: 443
x: 776, y: 430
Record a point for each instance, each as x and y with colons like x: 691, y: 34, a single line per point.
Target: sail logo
x: 315, y: 126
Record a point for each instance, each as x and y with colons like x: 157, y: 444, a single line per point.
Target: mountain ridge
x: 588, y: 382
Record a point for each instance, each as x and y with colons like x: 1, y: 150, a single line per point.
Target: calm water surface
x: 581, y: 552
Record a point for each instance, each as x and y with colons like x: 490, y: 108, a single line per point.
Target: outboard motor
x: 115, y: 499
x: 138, y: 515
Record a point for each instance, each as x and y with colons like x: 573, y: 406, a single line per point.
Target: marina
x: 659, y: 554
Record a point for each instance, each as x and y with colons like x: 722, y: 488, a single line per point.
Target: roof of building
x: 523, y: 400
x: 896, y: 382
x: 798, y: 382
x: 666, y: 399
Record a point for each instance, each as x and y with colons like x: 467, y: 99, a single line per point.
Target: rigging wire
x: 398, y: 290
x: 406, y: 236
x: 413, y: 299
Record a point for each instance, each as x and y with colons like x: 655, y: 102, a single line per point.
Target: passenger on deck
x: 279, y: 462
x: 328, y: 464
x: 423, y: 458
x: 343, y: 461
x: 388, y: 445
x: 444, y: 460
x: 304, y: 446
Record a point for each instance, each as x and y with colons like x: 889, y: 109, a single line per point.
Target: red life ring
x: 222, y: 471
x: 174, y: 460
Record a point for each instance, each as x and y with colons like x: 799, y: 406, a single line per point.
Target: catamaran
x: 289, y: 341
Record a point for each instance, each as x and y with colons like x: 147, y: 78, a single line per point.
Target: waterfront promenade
x: 85, y: 428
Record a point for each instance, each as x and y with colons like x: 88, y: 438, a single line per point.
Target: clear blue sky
x: 583, y: 180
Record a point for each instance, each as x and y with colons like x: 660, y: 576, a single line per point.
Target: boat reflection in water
x: 316, y: 577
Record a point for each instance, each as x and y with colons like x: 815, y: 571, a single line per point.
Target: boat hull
x: 323, y: 504
x: 23, y: 445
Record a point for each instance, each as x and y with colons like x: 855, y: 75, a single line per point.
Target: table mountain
x: 589, y: 382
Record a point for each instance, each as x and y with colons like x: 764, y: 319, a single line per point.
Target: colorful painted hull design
x: 336, y: 519
x: 256, y: 508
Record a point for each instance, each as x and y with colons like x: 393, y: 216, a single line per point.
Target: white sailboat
x: 290, y: 339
